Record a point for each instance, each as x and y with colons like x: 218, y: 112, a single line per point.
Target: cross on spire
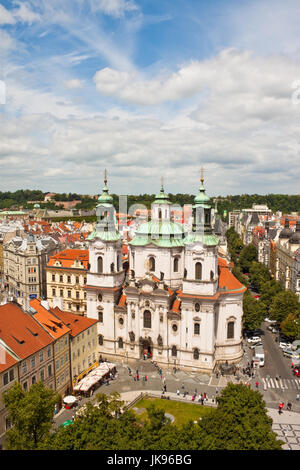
x: 105, y: 176
x: 162, y: 182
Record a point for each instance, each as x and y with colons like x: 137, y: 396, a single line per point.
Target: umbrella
x: 66, y: 423
x: 69, y: 400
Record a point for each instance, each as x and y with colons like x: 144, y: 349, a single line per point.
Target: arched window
x: 100, y: 317
x: 118, y: 263
x: 197, y: 329
x: 100, y: 264
x: 198, y: 271
x: 159, y: 214
x: 120, y: 343
x: 196, y: 354
x: 185, y: 273
x: 176, y: 265
x: 230, y: 330
x: 147, y: 319
x: 112, y: 267
x: 100, y: 340
x: 151, y: 264
x: 197, y: 307
x: 174, y: 351
x: 211, y: 275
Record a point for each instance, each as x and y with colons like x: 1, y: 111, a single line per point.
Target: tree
x: 284, y: 304
x: 253, y: 312
x: 247, y: 256
x: 268, y: 292
x: 290, y: 326
x: 30, y: 414
x: 259, y: 275
x: 239, y: 423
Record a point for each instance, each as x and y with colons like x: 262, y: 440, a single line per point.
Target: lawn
x: 182, y: 412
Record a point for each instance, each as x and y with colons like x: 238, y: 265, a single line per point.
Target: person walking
x: 297, y: 397
x: 256, y: 384
x: 289, y: 406
x: 178, y: 392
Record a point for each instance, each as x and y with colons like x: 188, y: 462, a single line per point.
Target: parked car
x: 268, y: 320
x: 255, y: 345
x: 296, y: 371
x: 285, y: 345
x: 254, y: 339
x: 290, y: 353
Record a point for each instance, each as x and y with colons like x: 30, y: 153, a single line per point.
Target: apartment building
x: 25, y: 260
x: 66, y: 277
x: 83, y: 342
x: 60, y: 335
x: 8, y: 376
x: 289, y: 244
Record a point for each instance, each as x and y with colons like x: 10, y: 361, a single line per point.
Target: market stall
x: 96, y: 376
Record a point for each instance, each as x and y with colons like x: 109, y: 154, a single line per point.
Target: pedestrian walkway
x: 282, y: 384
x: 287, y: 428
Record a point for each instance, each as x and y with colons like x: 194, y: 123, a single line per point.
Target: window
x: 211, y: 275
x: 151, y: 264
x: 41, y: 356
x: 112, y: 267
x: 198, y: 271
x: 197, y: 329
x: 100, y: 264
x: 11, y: 375
x: 53, y: 292
x: 32, y: 362
x: 174, y: 327
x: 49, y: 352
x: 5, y: 378
x: 100, y: 317
x: 100, y: 297
x: 69, y: 279
x: 120, y: 343
x: 69, y: 293
x: 147, y: 319
x: 53, y: 277
x: 176, y: 265
x: 121, y: 321
x: 50, y: 370
x: 77, y: 294
x: 174, y: 351
x: 61, y: 293
x: 196, y: 354
x: 77, y: 280
x: 100, y: 340
x: 33, y: 380
x: 230, y: 330
x: 61, y: 279
x: 197, y: 307
x: 42, y: 375
x: 25, y: 386
x: 118, y: 263
x: 57, y: 364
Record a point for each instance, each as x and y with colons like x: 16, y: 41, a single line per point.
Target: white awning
x: 94, y: 376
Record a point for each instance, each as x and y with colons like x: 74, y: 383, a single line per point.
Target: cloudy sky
x: 148, y: 88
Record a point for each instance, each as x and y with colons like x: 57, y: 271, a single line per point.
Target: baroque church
x: 178, y: 303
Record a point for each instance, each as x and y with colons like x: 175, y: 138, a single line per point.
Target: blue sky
x: 147, y: 88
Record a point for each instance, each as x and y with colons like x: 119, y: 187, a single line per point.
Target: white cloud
x: 73, y: 83
x: 7, y: 42
x: 5, y: 16
x: 115, y: 8
x: 24, y: 14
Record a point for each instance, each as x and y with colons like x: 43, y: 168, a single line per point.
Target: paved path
x: 286, y: 426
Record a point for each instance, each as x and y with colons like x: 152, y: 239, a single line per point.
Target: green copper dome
x: 162, y: 233
x: 202, y: 199
x: 162, y: 197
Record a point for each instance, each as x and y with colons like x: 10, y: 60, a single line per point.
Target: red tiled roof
x: 76, y: 323
x: 20, y: 331
x: 226, y: 279
x: 46, y: 319
x: 67, y: 258
x: 8, y: 361
x: 122, y: 301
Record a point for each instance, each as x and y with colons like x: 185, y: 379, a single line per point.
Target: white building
x: 181, y: 303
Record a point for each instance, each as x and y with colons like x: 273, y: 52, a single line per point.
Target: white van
x: 260, y: 355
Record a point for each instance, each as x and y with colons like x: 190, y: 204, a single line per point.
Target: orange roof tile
x: 20, y: 331
x: 8, y: 361
x: 76, y: 323
x: 67, y: 258
x: 46, y: 319
x: 122, y: 301
x: 226, y: 279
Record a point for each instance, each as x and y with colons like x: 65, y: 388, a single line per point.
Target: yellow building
x: 66, y: 276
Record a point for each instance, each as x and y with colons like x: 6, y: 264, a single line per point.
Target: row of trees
x: 240, y: 422
x: 274, y: 302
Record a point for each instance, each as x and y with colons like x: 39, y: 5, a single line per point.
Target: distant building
x: 66, y: 277
x: 25, y: 260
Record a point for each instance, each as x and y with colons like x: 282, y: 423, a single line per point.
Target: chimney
x: 45, y: 304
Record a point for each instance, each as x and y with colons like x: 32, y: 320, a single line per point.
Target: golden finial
x: 202, y: 175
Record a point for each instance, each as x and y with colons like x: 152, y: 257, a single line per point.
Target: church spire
x: 105, y: 197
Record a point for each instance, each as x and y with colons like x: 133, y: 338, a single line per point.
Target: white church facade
x: 179, y: 301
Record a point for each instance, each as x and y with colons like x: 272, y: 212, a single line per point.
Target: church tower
x: 106, y: 275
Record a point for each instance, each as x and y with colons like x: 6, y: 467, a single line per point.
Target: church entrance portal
x: 146, y: 348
